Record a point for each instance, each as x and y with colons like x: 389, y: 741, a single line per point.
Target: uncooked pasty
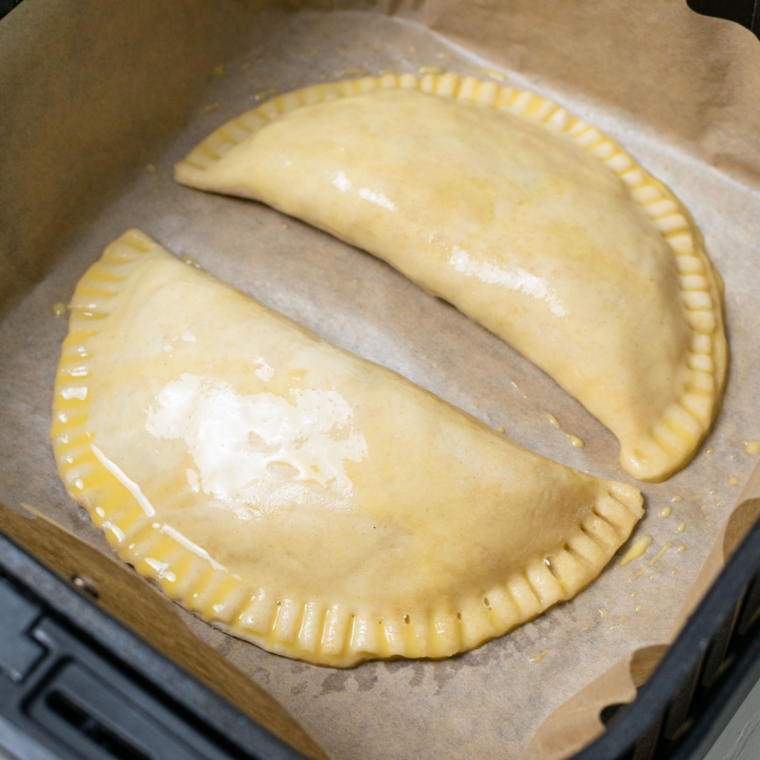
x: 297, y: 495
x: 530, y: 221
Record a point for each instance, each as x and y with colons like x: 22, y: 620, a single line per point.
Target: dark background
x: 744, y: 12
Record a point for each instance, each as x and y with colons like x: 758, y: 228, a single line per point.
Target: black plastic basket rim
x: 683, y: 657
x: 619, y: 741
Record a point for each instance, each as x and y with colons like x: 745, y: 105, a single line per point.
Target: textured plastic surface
x: 92, y: 689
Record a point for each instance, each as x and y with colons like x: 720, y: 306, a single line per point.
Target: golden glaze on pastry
x: 297, y: 495
x: 530, y: 221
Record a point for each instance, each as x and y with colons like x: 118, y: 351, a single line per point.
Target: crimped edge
x: 672, y: 441
x: 334, y: 635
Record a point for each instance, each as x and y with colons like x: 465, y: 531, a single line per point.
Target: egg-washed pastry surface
x: 530, y: 221
x: 296, y: 495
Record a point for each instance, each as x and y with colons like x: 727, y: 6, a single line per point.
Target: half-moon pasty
x: 297, y: 495
x: 530, y: 221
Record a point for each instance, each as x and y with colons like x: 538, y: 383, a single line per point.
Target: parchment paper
x: 486, y: 703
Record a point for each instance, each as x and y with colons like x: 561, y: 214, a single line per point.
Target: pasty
x: 297, y: 495
x: 530, y: 221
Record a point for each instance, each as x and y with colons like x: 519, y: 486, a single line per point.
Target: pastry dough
x: 297, y: 495
x: 530, y: 221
